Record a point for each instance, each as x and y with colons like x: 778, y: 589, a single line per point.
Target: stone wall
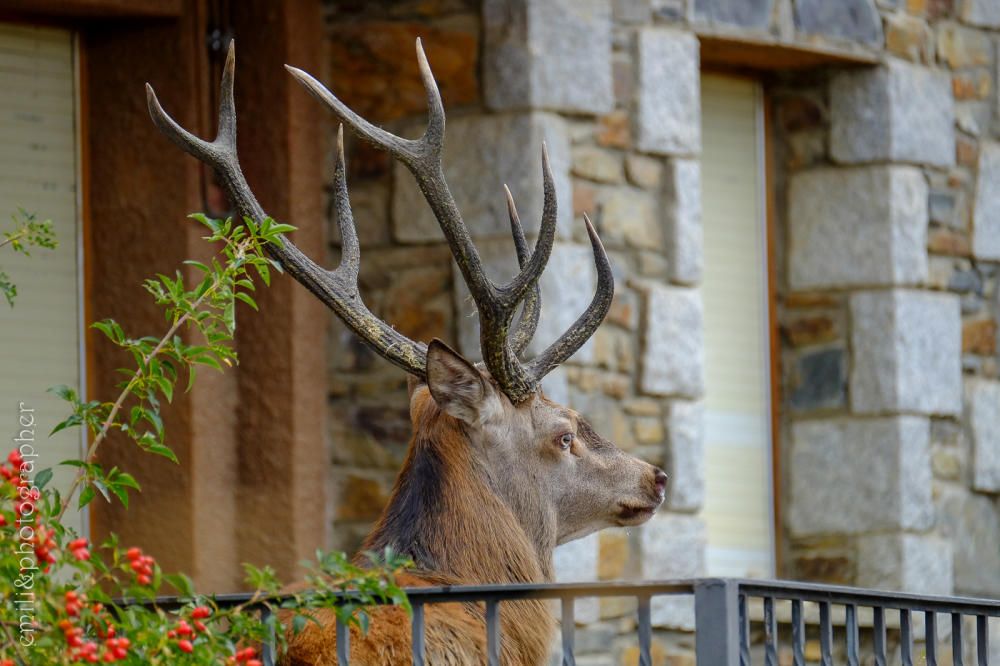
x: 887, y: 254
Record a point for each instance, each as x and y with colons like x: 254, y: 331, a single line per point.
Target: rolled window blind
x: 738, y: 502
x: 40, y: 340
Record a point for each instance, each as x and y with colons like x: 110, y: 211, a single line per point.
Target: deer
x: 496, y: 474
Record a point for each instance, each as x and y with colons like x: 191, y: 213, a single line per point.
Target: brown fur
x: 487, y: 491
x: 480, y: 542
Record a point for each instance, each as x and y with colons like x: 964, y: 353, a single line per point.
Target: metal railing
x: 725, y: 609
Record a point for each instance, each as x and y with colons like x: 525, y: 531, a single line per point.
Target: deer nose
x: 660, y: 482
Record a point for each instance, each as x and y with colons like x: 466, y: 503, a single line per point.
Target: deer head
x: 489, y: 449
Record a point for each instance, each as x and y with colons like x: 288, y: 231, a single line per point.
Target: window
x: 739, y: 502
x: 40, y: 337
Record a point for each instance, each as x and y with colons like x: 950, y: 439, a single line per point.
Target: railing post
x: 717, y: 623
x: 267, y: 649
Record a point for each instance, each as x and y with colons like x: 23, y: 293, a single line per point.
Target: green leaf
x: 243, y: 296
x: 86, y: 495
x: 281, y: 228
x: 71, y: 422
x: 264, y: 272
x: 197, y: 264
x: 126, y: 479
x: 120, y: 493
x: 162, y: 450
x: 181, y: 583
x: 64, y: 392
x: 103, y: 488
x: 43, y: 477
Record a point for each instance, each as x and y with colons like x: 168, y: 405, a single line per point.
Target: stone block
x: 643, y: 171
x: 919, y: 564
x: 819, y: 380
x: 668, y: 118
x: 684, y: 231
x: 979, y: 336
x: 673, y: 355
x: 909, y: 37
x: 631, y: 11
x: 596, y: 164
x: 982, y: 402
x: 630, y: 218
x: 899, y: 112
x: 851, y: 20
x: 972, y: 523
x: 685, y: 455
x: 482, y: 153
x: 452, y: 48
x: 986, y: 211
x: 860, y: 226
x: 568, y: 285
x: 983, y: 13
x: 959, y: 46
x: 743, y: 13
x: 673, y: 546
x: 576, y: 562
x: 907, y: 352
x: 535, y: 56
x: 850, y: 476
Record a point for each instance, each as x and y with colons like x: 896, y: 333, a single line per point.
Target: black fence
x: 725, y: 610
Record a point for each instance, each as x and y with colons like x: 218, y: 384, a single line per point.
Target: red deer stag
x: 496, y: 475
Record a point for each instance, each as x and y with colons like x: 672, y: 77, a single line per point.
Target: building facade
x: 801, y: 199
x: 798, y: 198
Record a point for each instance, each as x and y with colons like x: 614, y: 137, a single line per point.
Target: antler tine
x: 587, y: 323
x: 337, y: 289
x: 513, y: 292
x: 350, y: 250
x: 528, y: 322
x: 406, y: 150
x: 423, y: 158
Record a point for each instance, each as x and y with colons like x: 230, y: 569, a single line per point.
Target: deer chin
x: 630, y: 515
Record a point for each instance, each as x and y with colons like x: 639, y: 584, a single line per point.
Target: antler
x: 338, y: 289
x: 497, y: 304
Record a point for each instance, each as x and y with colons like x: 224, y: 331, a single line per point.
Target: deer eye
x: 566, y: 441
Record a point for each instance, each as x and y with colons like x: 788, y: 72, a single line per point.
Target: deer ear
x: 456, y: 385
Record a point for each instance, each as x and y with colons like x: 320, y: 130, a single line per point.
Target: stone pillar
x: 625, y: 154
x: 860, y: 482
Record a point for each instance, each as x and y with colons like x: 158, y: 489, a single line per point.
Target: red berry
x: 185, y: 645
x: 201, y: 612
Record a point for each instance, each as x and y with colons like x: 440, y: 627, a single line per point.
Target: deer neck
x: 457, y: 523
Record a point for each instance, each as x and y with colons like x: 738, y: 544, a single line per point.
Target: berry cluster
x: 185, y: 633
x: 45, y: 546
x: 246, y: 656
x: 12, y: 473
x: 80, y: 650
x: 141, y: 564
x: 79, y: 549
